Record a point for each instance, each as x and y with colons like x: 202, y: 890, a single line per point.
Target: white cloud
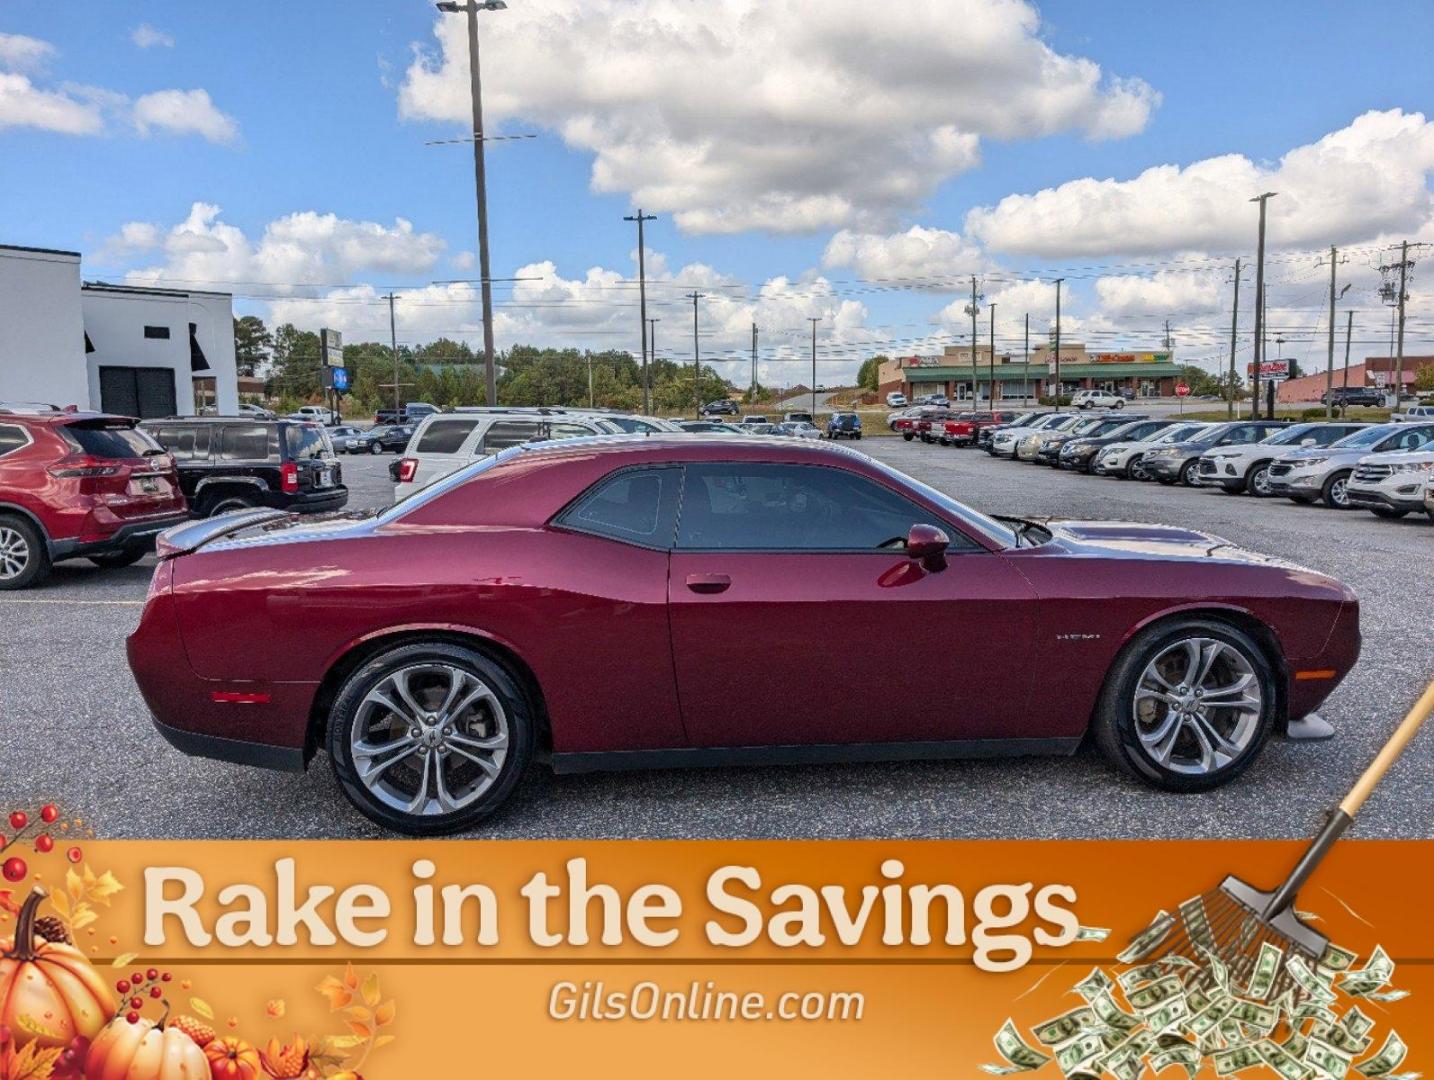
x: 1165, y: 292
x: 147, y: 37
x: 296, y: 249
x: 23, y: 104
x: 21, y: 53
x: 183, y: 112
x: 918, y: 253
x: 763, y: 114
x: 1362, y: 180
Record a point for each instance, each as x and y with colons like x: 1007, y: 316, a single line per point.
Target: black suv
x: 1353, y: 395
x: 721, y: 407
x: 232, y: 464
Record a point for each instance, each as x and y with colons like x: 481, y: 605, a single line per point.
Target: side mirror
x: 1308, y: 442
x: 927, y: 545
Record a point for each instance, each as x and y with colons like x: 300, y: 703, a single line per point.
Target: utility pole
x: 814, y: 320
x: 1399, y: 346
x: 640, y: 217
x: 1348, y: 331
x: 1259, y: 303
x: 1234, y: 329
x: 1329, y: 362
x: 1026, y: 372
x: 480, y: 183
x: 752, y: 394
x: 1167, y: 335
x: 1058, y: 343
x: 991, y: 388
x: 393, y: 345
x: 695, y: 296
x: 652, y: 338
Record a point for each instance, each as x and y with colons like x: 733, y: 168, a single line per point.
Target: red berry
x: 122, y: 986
x: 137, y: 978
x: 19, y: 819
x: 43, y: 844
x: 14, y: 869
x: 74, y: 854
x: 165, y: 977
x: 136, y: 1003
x: 152, y: 974
x: 49, y: 813
x: 132, y: 1017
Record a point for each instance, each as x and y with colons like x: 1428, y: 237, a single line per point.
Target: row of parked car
x: 1385, y: 468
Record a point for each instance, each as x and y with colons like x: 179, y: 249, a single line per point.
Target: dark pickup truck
x: 411, y: 413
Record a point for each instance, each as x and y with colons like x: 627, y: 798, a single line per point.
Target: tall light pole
x: 480, y: 183
x: 752, y: 394
x: 393, y: 344
x: 814, y: 321
x: 1026, y: 372
x: 652, y: 340
x: 1259, y: 303
x: 991, y: 385
x: 695, y: 296
x: 1234, y: 329
x: 1058, y: 343
x: 640, y: 217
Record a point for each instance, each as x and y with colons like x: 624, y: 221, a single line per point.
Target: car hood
x: 1307, y: 452
x: 1403, y: 457
x: 1136, y: 539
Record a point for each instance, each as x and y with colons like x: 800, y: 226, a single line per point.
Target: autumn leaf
x: 7, y: 902
x: 202, y: 1007
x: 74, y: 885
x: 384, y: 1014
x: 363, y: 1031
x: 123, y: 959
x: 359, y: 1013
x: 337, y: 993
x: 371, y: 994
x: 351, y: 979
x: 383, y: 1040
x: 32, y: 1062
x: 276, y: 1008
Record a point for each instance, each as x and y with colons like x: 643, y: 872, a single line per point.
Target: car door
x: 439, y: 447
x: 797, y: 618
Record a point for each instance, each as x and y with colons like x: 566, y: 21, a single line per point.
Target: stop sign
x: 1182, y: 389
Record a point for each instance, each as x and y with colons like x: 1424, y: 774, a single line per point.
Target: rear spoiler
x: 183, y: 539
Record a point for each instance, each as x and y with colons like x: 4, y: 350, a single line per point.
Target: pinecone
x: 197, y: 1030
x: 52, y: 929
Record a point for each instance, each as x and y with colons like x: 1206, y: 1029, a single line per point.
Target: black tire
x: 1256, y: 480
x: 1186, y: 476
x: 1332, y: 494
x: 1120, y: 404
x: 1114, y: 725
x: 116, y: 560
x: 857, y: 435
x: 375, y: 448
x: 907, y: 436
x: 1387, y: 512
x: 24, y: 544
x: 222, y: 503
x: 518, y: 710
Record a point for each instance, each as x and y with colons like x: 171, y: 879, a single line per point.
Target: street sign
x: 1270, y: 369
x: 1182, y: 389
x: 331, y: 348
x: 1381, y: 378
x: 341, y: 379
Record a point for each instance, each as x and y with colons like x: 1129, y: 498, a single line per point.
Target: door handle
x: 708, y: 583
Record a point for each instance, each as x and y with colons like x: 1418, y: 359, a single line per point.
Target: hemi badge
x: 231, y: 697
x: 1321, y: 673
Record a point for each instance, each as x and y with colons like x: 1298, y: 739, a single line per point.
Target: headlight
x: 1077, y: 448
x: 1308, y: 463
x: 1161, y: 453
x: 1412, y: 466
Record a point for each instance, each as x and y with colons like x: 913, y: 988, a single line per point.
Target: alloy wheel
x: 1197, y: 706
x: 429, y: 739
x: 14, y: 552
x: 1260, y: 482
x: 1339, y: 492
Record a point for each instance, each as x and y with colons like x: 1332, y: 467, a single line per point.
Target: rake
x: 1235, y: 920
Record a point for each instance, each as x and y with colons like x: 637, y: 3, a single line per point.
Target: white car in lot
x: 1122, y: 459
x: 1306, y: 476
x: 1391, y: 485
x: 895, y: 400
x: 1415, y: 414
x: 317, y: 414
x: 1097, y: 399
x: 1028, y: 447
x: 446, y: 442
x: 1004, y: 441
x: 1246, y: 466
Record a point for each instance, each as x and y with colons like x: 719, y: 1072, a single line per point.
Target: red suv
x: 80, y: 485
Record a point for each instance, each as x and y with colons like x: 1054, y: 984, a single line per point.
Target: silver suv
x: 1323, y: 473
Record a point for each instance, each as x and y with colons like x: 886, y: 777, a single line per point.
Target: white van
x: 446, y: 442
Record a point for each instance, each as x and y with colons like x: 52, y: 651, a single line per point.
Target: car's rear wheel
x: 24, y: 559
x: 430, y: 738
x: 1257, y: 480
x: 1134, y: 470
x: 213, y: 505
x: 1187, y: 706
x: 116, y: 560
x: 1335, y: 492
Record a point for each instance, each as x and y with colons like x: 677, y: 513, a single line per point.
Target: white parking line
x: 71, y: 603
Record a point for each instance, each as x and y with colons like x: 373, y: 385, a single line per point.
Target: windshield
x: 1367, y: 437
x: 1179, y: 433
x: 988, y: 527
x: 1290, y: 435
x: 1209, y: 435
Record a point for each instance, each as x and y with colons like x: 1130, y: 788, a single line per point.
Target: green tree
x: 252, y: 342
x: 294, y: 363
x: 868, y: 376
x: 1424, y: 379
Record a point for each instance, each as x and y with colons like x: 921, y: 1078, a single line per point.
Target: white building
x: 117, y: 348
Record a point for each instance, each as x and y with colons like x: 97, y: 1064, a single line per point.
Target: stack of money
x: 1192, y: 1012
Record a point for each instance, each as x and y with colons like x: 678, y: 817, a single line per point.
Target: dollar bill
x: 1094, y: 985
x: 1339, y: 1037
x: 1144, y: 973
x: 1151, y: 996
x: 1267, y: 966
x: 1184, y: 1055
x: 1208, y: 1019
x: 1375, y: 975
x: 1092, y: 933
x: 1112, y: 1015
x: 1197, y: 923
x: 1387, y: 995
x: 1391, y: 1055
x: 1236, y: 1059
x: 1168, y: 1015
x: 1149, y: 939
x: 1257, y: 1015
x: 1355, y: 1022
x: 1282, y: 1061
x: 1071, y: 1057
x: 1313, y: 1010
x: 1329, y: 1060
x: 1296, y: 1044
x: 1020, y: 1056
x: 1336, y: 959
x: 1308, y: 981
x: 1217, y: 970
x: 1063, y: 1028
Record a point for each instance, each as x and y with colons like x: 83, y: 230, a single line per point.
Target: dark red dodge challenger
x: 596, y: 602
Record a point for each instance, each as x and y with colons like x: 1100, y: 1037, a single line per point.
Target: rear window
x: 118, y: 441
x: 445, y: 436
x: 502, y: 434
x: 305, y: 443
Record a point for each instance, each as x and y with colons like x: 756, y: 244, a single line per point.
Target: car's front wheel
x: 375, y: 448
x: 1257, y: 480
x: 1187, y: 706
x: 1335, y: 492
x: 24, y: 559
x: 430, y: 738
x: 1187, y: 473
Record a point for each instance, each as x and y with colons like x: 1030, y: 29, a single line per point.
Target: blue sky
x: 305, y: 113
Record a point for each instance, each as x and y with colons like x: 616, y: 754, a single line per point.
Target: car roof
x: 59, y: 416
x: 717, y: 445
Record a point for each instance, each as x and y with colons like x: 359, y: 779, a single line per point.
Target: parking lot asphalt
x: 76, y: 730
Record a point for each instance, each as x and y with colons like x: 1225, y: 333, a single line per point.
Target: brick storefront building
x: 1136, y: 374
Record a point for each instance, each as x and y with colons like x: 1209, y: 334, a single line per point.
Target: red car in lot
x: 963, y: 430
x: 593, y: 602
x: 79, y: 485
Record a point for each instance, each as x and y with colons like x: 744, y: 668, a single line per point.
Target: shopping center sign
x: 1270, y: 369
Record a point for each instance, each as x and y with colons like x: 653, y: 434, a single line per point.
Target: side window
x: 1415, y: 439
x: 445, y: 436
x: 757, y: 507
x: 638, y: 506
x: 1240, y: 436
x: 246, y: 442
x: 502, y: 434
x: 12, y: 437
x: 568, y: 430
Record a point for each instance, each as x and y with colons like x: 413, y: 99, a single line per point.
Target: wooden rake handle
x: 1406, y: 730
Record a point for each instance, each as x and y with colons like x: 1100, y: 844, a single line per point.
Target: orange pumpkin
x: 144, y: 1050
x: 232, y: 1058
x: 49, y: 993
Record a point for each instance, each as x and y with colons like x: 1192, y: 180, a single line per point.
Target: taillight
x: 80, y: 466
x: 407, y: 470
x: 289, y: 477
